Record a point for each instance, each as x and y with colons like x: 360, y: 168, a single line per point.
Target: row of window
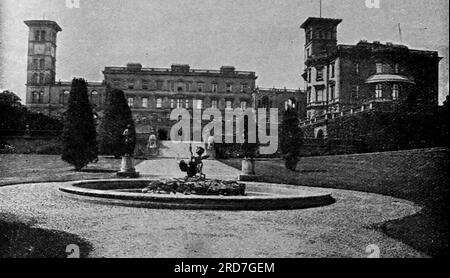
x: 183, y: 103
x: 38, y: 78
x: 380, y: 68
x: 395, y: 91
x: 38, y: 64
x: 320, y: 93
x: 176, y: 86
x: 40, y: 35
x: 38, y: 97
x: 320, y: 34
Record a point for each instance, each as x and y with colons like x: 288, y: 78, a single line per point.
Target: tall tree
x: 117, y: 117
x: 79, y: 134
x: 291, y: 138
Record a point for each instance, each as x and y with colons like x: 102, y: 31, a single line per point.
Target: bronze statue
x: 195, y: 166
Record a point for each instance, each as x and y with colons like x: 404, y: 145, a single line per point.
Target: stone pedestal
x: 127, y: 170
x: 248, y: 170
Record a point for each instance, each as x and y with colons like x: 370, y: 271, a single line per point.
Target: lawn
x: 420, y: 176
x: 25, y: 168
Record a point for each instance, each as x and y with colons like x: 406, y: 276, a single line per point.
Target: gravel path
x: 340, y: 230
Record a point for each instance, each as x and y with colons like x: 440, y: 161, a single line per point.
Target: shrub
x: 291, y: 138
x: 79, y: 135
x: 116, y: 118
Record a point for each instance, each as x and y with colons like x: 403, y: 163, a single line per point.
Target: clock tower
x: 41, y: 70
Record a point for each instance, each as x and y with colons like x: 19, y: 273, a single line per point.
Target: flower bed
x: 196, y: 186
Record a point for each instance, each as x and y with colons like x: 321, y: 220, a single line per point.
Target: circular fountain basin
x: 259, y: 196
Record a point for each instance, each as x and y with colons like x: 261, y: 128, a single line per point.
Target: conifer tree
x: 79, y: 134
x: 117, y: 117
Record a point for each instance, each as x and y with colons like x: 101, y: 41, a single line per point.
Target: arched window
x: 64, y: 97
x: 290, y: 104
x: 34, y: 78
x: 41, y: 97
x: 37, y: 35
x: 43, y: 34
x: 93, y: 98
x: 34, y: 97
x: 320, y: 134
x: 41, y: 78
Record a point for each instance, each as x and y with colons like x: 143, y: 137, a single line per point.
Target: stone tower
x: 320, y: 36
x: 41, y: 70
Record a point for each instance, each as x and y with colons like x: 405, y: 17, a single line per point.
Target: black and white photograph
x: 224, y: 129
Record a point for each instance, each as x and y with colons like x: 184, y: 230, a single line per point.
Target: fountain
x: 195, y: 191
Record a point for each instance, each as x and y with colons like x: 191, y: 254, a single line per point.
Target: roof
x: 320, y: 20
x: 31, y: 23
x: 379, y: 78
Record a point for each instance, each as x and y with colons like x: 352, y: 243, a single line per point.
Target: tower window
x: 214, y: 88
x: 41, y: 97
x: 379, y: 67
x: 34, y: 78
x: 41, y: 78
x: 396, y: 68
x: 319, y: 74
x: 357, y: 68
x: 332, y: 69
x: 35, y: 64
x: 378, y: 91
x: 37, y: 35
x: 43, y: 34
x: 395, y: 92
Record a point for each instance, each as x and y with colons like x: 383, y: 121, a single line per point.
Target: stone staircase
x: 169, y: 149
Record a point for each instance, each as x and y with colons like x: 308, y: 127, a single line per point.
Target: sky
x: 256, y: 35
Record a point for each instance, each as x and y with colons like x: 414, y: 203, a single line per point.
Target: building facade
x: 151, y: 93
x: 340, y: 77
